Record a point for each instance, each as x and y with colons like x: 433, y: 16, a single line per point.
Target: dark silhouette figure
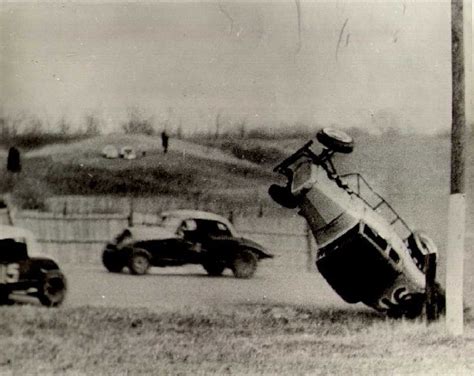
x: 13, y: 160
x: 164, y: 141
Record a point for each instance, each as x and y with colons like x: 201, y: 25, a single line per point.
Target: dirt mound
x: 141, y: 143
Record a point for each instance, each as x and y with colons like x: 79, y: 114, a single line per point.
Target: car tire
x: 283, y: 196
x: 52, y: 290
x: 139, y: 262
x: 213, y: 268
x: 5, y: 297
x: 244, y: 264
x: 111, y: 262
x: 336, y: 140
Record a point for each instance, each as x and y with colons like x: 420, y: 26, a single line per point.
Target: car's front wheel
x: 283, y: 196
x: 244, y: 264
x: 213, y: 268
x: 4, y: 297
x: 111, y: 262
x: 52, y: 290
x: 139, y: 262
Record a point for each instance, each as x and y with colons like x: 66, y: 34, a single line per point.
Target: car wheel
x: 244, y: 264
x: 52, y: 290
x: 5, y: 297
x: 111, y: 262
x: 336, y: 140
x: 283, y: 196
x: 213, y: 268
x: 139, y: 262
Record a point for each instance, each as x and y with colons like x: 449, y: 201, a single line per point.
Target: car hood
x: 141, y: 233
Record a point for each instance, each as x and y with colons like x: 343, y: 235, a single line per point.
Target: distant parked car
x: 127, y: 152
x: 23, y: 269
x: 185, y: 237
x: 366, y: 251
x: 110, y: 152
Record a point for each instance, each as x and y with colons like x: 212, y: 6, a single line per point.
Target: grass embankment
x: 239, y: 340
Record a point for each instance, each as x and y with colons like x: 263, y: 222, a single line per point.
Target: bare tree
x: 64, y: 127
x: 92, y: 125
x: 218, y: 125
x: 137, y: 123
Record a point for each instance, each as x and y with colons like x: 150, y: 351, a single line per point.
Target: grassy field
x: 245, y: 340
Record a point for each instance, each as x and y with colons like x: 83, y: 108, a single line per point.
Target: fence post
x: 10, y: 216
x: 130, y: 215
x: 431, y: 307
x: 310, y: 259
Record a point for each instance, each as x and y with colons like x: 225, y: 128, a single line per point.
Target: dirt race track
x: 177, y: 288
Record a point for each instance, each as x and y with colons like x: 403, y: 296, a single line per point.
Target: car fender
x: 43, y: 264
x: 35, y: 268
x: 233, y: 245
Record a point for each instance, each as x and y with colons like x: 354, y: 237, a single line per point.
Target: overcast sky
x: 343, y: 62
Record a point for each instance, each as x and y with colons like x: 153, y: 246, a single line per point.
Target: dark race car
x: 24, y: 270
x: 366, y: 251
x: 185, y: 237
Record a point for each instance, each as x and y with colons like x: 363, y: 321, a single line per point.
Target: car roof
x: 194, y: 214
x: 7, y: 232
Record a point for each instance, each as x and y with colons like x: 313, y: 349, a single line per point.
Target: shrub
x: 30, y: 193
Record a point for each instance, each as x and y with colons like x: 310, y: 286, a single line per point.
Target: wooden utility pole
x: 457, y: 199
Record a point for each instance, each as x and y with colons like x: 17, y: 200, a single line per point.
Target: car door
x: 209, y: 235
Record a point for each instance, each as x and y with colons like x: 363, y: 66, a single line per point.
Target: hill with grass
x: 188, y: 169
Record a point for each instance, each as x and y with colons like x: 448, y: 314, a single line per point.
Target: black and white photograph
x: 236, y: 187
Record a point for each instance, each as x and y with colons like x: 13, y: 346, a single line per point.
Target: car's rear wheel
x: 244, y: 264
x: 52, y: 291
x: 111, y: 262
x: 336, y: 140
x: 139, y: 262
x: 213, y: 268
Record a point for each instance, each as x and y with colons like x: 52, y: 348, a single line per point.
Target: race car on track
x: 24, y: 270
x: 185, y: 237
x: 365, y: 250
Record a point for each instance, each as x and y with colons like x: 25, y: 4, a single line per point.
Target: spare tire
x: 111, y: 262
x: 336, y: 140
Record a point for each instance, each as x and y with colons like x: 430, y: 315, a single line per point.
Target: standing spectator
x: 164, y: 141
x: 13, y: 160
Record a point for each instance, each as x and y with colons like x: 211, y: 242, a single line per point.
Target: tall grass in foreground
x: 253, y: 339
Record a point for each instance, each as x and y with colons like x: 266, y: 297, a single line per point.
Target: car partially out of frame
x: 365, y: 250
x: 185, y: 237
x: 25, y: 270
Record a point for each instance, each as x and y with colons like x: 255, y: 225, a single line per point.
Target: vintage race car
x: 24, y: 270
x: 185, y: 237
x: 365, y: 250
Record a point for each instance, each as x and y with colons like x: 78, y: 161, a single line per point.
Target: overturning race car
x: 24, y: 270
x: 185, y: 237
x: 366, y: 251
